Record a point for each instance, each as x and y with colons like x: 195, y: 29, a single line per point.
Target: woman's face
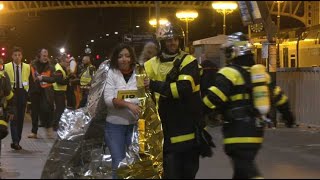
x: 124, y: 60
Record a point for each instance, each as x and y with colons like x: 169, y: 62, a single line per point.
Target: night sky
x: 74, y: 28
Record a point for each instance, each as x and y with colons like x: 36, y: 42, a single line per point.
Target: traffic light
x: 97, y: 56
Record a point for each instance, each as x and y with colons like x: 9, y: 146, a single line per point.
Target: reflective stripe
x: 276, y: 91
x: 9, y: 96
x: 219, y: 93
x: 182, y: 138
x: 239, y: 97
x: 208, y: 103
x: 257, y: 177
x: 2, y: 122
x: 282, y: 100
x: 233, y: 75
x: 174, y: 90
x: 195, y: 88
x: 242, y: 140
x: 201, y: 69
x: 187, y: 60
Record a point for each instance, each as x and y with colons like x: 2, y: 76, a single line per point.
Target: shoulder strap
x: 174, y: 72
x: 247, y: 79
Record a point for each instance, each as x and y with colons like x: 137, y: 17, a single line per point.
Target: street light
x: 278, y: 17
x: 278, y: 33
x: 224, y: 8
x: 1, y: 6
x: 187, y: 16
x: 153, y: 22
x: 62, y: 50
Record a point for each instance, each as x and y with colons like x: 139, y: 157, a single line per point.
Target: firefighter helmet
x: 237, y: 45
x: 169, y: 31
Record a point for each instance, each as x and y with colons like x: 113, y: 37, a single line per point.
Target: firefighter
x: 174, y: 78
x: 7, y: 107
x: 85, y: 78
x: 234, y: 95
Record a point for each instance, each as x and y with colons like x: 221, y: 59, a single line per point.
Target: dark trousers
x: 40, y: 108
x: 16, y: 125
x: 60, y: 101
x: 83, y: 102
x: 180, y: 165
x: 71, y: 98
x: 243, y: 161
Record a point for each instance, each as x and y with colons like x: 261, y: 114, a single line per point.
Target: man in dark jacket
x: 41, y: 93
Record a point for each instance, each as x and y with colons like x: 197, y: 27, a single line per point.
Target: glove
x: 287, y: 115
x: 204, y: 142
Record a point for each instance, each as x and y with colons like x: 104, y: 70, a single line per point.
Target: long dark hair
x: 115, y: 54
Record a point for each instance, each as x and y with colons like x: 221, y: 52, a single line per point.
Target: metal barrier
x: 302, y: 86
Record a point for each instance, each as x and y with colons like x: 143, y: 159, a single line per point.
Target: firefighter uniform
x: 175, y: 81
x: 6, y: 104
x: 231, y: 95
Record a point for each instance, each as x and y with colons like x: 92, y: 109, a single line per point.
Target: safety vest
x: 178, y: 114
x: 86, y: 77
x: 56, y: 86
x: 46, y: 73
x: 25, y: 72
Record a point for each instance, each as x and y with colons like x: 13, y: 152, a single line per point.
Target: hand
x: 134, y: 108
x: 146, y: 83
x: 10, y: 117
x: 39, y: 78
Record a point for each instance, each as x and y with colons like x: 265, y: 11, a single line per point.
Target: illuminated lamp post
x: 153, y: 22
x: 224, y: 8
x: 187, y: 16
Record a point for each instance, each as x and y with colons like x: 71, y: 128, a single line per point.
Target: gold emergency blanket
x: 79, y: 151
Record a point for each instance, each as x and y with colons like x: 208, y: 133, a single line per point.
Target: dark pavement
x: 287, y: 153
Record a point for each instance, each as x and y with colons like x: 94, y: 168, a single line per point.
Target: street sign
x: 137, y: 38
x: 265, y: 51
x: 245, y: 14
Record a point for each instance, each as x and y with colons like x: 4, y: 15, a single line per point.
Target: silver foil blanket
x: 79, y: 151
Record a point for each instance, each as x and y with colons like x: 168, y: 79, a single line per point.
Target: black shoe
x: 16, y: 146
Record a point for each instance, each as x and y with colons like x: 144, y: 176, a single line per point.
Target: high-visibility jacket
x: 45, y: 73
x: 178, y: 102
x: 56, y: 86
x: 25, y: 72
x: 86, y: 77
x: 231, y: 96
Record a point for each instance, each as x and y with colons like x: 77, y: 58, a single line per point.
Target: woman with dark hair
x: 123, y: 113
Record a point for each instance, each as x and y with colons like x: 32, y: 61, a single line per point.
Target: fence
x: 302, y: 86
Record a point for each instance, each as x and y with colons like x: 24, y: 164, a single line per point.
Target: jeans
x: 118, y: 139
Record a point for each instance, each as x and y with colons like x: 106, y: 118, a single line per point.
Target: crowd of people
x: 45, y: 83
x: 184, y: 93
